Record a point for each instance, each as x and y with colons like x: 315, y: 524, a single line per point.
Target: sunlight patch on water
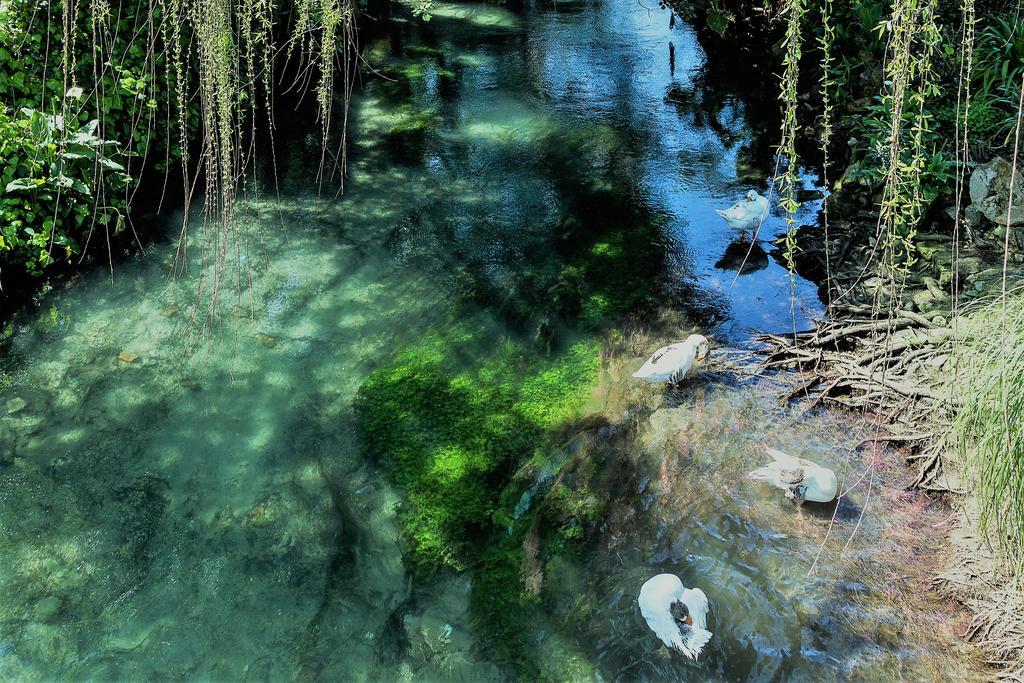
x: 478, y: 16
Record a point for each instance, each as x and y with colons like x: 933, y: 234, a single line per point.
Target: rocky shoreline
x: 969, y: 264
x: 895, y: 351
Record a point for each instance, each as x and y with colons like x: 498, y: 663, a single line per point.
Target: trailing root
x: 887, y: 367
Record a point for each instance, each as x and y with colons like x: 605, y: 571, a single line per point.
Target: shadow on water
x: 744, y: 257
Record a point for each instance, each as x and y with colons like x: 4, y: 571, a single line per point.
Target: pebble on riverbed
x: 15, y: 405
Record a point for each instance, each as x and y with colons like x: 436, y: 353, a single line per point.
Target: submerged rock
x: 269, y: 341
x: 7, y: 453
x: 15, y: 405
x: 925, y: 300
x: 46, y: 609
x: 809, y: 195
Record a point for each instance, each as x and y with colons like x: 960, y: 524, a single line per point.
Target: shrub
x: 69, y: 132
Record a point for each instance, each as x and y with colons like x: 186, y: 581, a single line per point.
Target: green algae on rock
x: 449, y: 432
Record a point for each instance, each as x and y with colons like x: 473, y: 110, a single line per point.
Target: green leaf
x: 79, y: 151
x: 111, y: 164
x: 90, y: 128
x: 23, y: 184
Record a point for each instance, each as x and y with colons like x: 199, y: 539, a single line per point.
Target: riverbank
x: 925, y: 345
x: 922, y: 356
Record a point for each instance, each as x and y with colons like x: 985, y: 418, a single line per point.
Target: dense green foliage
x: 897, y: 88
x: 79, y: 112
x: 98, y: 98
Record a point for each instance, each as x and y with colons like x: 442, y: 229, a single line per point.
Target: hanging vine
x: 325, y: 36
x: 93, y: 88
x: 793, y: 11
x: 222, y: 52
x: 913, y: 36
x: 826, y: 41
x: 961, y: 136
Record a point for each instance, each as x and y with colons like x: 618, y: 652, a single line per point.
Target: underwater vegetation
x: 464, y: 442
x: 478, y: 412
x: 451, y: 435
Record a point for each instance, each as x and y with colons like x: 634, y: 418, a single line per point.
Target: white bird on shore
x: 800, y: 479
x: 677, y: 615
x: 671, y: 363
x: 747, y: 213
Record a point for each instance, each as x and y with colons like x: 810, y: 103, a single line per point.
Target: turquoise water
x: 521, y: 184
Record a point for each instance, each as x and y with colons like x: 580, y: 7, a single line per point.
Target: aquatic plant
x: 450, y: 435
x: 406, y: 138
x: 451, y: 420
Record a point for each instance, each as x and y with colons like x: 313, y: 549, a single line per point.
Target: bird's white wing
x: 660, y: 353
x: 652, y: 370
x: 769, y: 474
x: 697, y: 636
x: 824, y: 485
x: 662, y: 363
x: 660, y: 620
x: 696, y: 639
x: 697, y: 605
x: 736, y: 211
x: 656, y: 598
x: 783, y: 460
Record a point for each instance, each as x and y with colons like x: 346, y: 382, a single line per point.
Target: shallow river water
x: 522, y: 184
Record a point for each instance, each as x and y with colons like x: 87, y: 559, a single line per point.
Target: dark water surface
x: 523, y: 180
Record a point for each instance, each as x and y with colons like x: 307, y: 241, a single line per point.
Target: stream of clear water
x: 213, y: 516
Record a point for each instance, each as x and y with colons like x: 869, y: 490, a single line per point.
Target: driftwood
x: 879, y: 366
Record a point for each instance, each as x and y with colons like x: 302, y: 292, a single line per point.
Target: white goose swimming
x: 747, y: 213
x: 671, y: 363
x: 677, y: 615
x: 800, y: 479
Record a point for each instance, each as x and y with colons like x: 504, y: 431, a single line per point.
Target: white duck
x: 677, y: 615
x: 747, y: 213
x: 671, y: 363
x: 801, y: 479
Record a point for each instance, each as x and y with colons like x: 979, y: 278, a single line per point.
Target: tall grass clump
x: 989, y: 427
